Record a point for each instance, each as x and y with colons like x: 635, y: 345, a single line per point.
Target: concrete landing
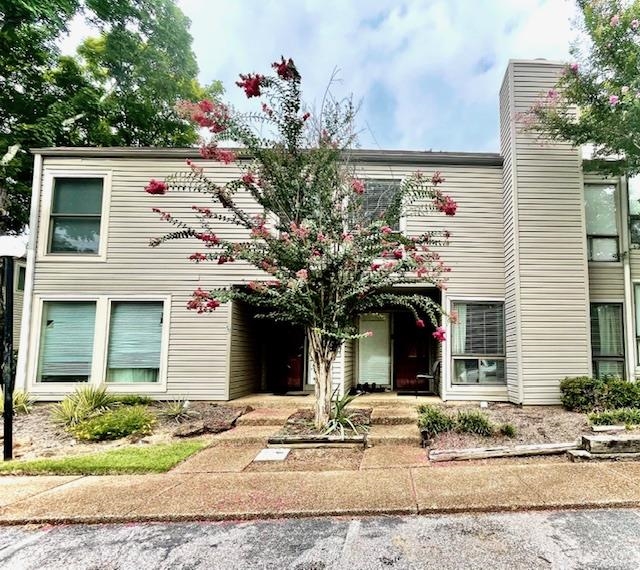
x: 266, y: 417
x: 402, y: 434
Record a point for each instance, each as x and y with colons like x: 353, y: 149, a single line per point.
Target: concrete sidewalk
x: 184, y: 495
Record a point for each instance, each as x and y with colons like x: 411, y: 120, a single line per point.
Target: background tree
x: 604, y: 84
x: 325, y: 259
x: 118, y: 90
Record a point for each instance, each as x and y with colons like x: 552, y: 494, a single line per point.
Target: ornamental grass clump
x: 323, y: 255
x: 342, y: 419
x: 177, y: 410
x: 86, y: 402
x: 115, y: 424
x: 22, y: 402
x: 432, y: 421
x: 475, y: 422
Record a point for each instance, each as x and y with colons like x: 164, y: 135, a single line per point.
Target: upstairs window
x: 634, y: 209
x: 601, y: 209
x: 76, y: 212
x: 378, y: 195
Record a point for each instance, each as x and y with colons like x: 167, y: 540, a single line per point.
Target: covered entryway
x: 284, y: 358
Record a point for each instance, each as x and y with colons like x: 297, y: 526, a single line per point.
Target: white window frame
x: 49, y: 177
x: 402, y: 219
x: 590, y: 181
x: 470, y: 391
x: 18, y: 266
x: 100, y: 346
x: 625, y: 357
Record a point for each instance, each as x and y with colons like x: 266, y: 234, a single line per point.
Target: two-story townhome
x: 544, y: 277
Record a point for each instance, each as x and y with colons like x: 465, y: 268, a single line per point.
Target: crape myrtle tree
x: 324, y: 258
x: 603, y: 82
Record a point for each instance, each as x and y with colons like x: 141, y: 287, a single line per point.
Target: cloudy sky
x: 426, y: 72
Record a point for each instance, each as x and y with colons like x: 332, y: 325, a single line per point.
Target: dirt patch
x: 36, y: 435
x: 301, y: 423
x: 534, y: 424
x: 313, y: 460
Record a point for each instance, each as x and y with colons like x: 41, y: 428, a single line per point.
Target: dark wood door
x: 410, y: 352
x: 286, y: 356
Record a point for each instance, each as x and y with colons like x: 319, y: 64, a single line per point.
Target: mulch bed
x: 37, y: 435
x: 534, y: 424
x: 301, y: 423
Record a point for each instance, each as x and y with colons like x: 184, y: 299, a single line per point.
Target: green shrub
x: 508, y: 430
x: 474, y: 421
x: 132, y: 399
x: 433, y: 420
x: 114, y: 424
x: 177, y: 410
x: 580, y: 394
x: 22, y: 402
x: 617, y: 393
x: 85, y: 403
x: 626, y: 416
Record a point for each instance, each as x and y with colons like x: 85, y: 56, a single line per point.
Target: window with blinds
x: 66, y: 341
x: 76, y: 212
x: 135, y: 341
x: 601, y: 212
x: 378, y: 196
x: 478, y: 344
x: 607, y: 339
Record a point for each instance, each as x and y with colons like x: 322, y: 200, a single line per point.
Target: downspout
x: 25, y: 323
x: 629, y: 313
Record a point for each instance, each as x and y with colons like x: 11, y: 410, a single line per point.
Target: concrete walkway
x: 188, y: 494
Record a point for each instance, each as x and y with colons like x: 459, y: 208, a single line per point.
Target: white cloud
x: 438, y: 63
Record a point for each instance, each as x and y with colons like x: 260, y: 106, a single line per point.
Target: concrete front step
x: 245, y: 435
x: 402, y: 434
x: 394, y: 415
x: 579, y: 455
x: 266, y: 417
x: 607, y: 444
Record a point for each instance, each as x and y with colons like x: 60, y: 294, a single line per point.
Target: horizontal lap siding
x: 606, y: 282
x: 552, y: 249
x: 18, y: 303
x: 244, y: 357
x: 512, y: 280
x: 198, y: 344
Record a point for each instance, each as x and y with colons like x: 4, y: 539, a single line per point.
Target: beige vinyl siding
x: 198, y: 344
x: 511, y: 254
x: 349, y: 355
x: 244, y: 356
x: 551, y: 244
x: 18, y: 304
x: 606, y: 282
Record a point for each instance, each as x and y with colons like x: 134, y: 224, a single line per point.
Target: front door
x: 374, y: 350
x: 285, y: 356
x: 410, y: 352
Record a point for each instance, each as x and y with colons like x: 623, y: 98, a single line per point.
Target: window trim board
x: 49, y: 176
x: 100, y: 344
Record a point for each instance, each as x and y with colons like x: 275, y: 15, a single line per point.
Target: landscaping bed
x: 533, y: 424
x: 300, y: 424
x: 37, y: 435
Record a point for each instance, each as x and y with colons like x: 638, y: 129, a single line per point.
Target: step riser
x: 598, y: 444
x: 394, y: 421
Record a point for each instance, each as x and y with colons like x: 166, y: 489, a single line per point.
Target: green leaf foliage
x: 115, y: 424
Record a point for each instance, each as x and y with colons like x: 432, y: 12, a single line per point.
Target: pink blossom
x: 208, y: 238
x: 453, y: 317
x: 248, y: 178
x: 420, y: 323
x: 368, y: 334
x: 286, y: 69
x: 206, y: 106
x: 386, y: 230
x: 439, y: 334
x: 398, y: 253
x: 348, y: 238
x: 206, y: 212
x: 155, y: 187
x: 357, y: 186
x: 574, y: 68
x: 613, y: 100
x: 375, y: 266
x: 197, y: 257
x: 225, y: 156
x: 615, y: 20
x: 635, y: 24
x: 306, y: 116
x: 303, y: 274
x: 553, y: 95
x: 437, y: 178
x: 251, y: 84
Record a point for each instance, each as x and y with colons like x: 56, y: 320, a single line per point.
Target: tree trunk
x: 322, y: 356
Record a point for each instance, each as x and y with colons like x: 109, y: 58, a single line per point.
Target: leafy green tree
x: 325, y: 258
x: 603, y: 83
x: 120, y: 88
